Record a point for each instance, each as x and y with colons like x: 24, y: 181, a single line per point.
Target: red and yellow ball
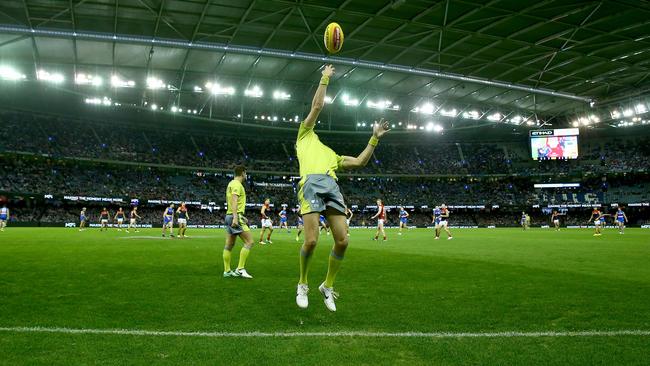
x: 333, y: 38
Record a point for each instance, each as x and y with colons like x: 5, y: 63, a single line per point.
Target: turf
x: 482, y: 281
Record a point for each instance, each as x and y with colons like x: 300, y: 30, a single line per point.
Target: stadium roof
x: 549, y: 57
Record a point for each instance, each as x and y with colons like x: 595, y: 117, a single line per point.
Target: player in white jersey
x: 348, y: 218
x: 403, y: 219
x: 82, y: 219
x: 4, y: 217
x: 132, y: 219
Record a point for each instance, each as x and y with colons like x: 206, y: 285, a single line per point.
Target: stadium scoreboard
x: 556, y: 144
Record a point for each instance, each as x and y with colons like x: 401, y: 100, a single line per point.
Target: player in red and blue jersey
x: 133, y: 216
x: 103, y: 219
x: 119, y: 218
x: 381, y: 219
x: 444, y: 221
x: 621, y: 220
x: 555, y: 219
x: 183, y: 216
x: 599, y: 221
x: 403, y: 219
x: 266, y: 221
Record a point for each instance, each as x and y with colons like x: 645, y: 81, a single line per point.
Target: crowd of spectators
x: 46, y: 155
x: 62, y: 137
x: 40, y: 176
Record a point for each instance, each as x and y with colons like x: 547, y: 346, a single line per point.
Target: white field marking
x: 149, y: 237
x: 154, y: 333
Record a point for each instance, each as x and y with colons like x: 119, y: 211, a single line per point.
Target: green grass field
x: 498, y: 280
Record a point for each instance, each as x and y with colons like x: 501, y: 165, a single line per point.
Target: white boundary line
x: 153, y: 333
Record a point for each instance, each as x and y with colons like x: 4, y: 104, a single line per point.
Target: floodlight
x: 255, y: 92
x: 494, y: 117
x: 118, y: 82
x: 85, y: 79
x: 217, y: 89
x: 449, y: 112
x: 56, y: 78
x: 471, y: 115
x: 349, y: 101
x: 640, y: 108
x: 9, y: 73
x: 278, y: 94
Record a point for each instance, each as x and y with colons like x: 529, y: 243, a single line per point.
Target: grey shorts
x: 317, y: 192
x: 243, y: 225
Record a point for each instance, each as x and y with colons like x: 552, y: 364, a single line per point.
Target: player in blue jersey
x: 133, y: 216
x: 301, y: 225
x: 4, y: 217
x: 621, y: 220
x: 323, y: 225
x: 403, y: 219
x: 82, y: 219
x: 525, y: 220
x: 168, y: 221
x: 283, y: 219
x: 435, y: 220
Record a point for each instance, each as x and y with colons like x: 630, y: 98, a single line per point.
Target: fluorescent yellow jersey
x: 314, y: 157
x: 235, y: 187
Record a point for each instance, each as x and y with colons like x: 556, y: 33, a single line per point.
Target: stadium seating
x: 51, y: 155
x: 60, y: 137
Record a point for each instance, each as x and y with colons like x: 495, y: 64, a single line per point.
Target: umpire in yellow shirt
x: 237, y: 225
x: 320, y: 193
